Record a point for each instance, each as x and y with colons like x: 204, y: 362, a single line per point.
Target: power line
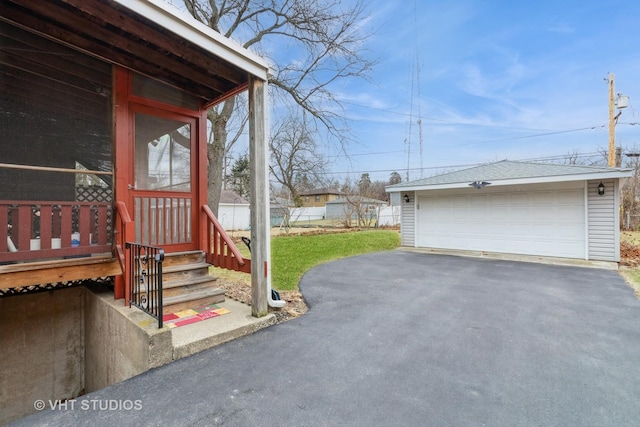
x: 458, y: 166
x: 449, y: 122
x: 365, y: 154
x: 535, y: 136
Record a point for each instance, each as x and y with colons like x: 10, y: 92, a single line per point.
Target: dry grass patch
x: 630, y: 259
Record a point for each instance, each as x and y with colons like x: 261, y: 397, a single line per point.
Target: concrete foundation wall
x: 120, y: 342
x: 60, y: 344
x: 41, y: 349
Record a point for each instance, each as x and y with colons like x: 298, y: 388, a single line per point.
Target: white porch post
x: 258, y: 157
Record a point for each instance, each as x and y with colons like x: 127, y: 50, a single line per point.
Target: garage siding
x: 408, y: 220
x: 603, y: 245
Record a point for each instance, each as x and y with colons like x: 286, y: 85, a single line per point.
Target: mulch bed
x: 295, y: 306
x: 629, y: 255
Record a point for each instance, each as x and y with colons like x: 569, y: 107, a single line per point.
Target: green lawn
x: 291, y: 256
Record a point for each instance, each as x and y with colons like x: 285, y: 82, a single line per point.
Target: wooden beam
x: 49, y: 169
x: 38, y: 273
x: 87, y: 71
x: 91, y: 36
x: 260, y: 237
x: 147, y: 30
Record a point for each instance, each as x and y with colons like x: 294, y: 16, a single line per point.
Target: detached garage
x: 516, y: 208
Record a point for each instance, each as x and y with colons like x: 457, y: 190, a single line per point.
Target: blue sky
x: 486, y: 77
x: 488, y: 80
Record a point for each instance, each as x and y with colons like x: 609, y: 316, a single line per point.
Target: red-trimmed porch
x: 91, y: 113
x: 111, y: 94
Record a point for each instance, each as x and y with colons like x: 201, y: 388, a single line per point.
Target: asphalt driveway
x: 402, y: 338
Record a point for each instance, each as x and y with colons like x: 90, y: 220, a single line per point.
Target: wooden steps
x: 186, y: 282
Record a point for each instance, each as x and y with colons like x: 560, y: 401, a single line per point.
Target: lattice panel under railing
x: 94, y: 193
x: 104, y: 281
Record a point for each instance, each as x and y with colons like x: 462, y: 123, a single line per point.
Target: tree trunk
x: 216, y: 151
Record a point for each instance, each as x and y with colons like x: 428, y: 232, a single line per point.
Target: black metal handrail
x: 145, y: 276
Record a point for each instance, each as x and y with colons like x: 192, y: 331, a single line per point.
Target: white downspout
x: 272, y: 303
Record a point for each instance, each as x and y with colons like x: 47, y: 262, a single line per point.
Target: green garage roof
x: 510, y: 173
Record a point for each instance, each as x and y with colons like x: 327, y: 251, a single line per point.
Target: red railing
x: 125, y: 229
x: 221, y: 251
x: 161, y: 219
x: 37, y: 230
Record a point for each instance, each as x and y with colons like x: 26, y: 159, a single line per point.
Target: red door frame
x: 143, y: 221
x: 126, y: 105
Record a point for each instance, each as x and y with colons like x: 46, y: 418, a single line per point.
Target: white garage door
x: 543, y: 222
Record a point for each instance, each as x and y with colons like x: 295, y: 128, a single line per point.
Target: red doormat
x: 193, y: 315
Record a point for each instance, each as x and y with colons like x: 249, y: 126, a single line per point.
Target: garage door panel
x: 545, y: 213
x: 539, y: 198
x: 459, y: 202
x: 520, y: 211
x: 569, y: 197
x: 478, y: 201
x: 571, y: 231
x: 545, y: 222
x: 497, y: 200
x: 498, y: 214
x: 520, y: 199
x: 566, y: 212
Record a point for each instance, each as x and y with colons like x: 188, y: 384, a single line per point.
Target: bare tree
x: 294, y: 154
x: 377, y: 190
x: 629, y: 193
x: 329, y: 36
x: 362, y: 201
x: 575, y: 157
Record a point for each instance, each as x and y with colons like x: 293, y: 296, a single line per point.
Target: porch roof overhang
x: 150, y: 37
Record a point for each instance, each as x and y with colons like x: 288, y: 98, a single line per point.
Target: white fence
x: 307, y: 214
x: 389, y: 216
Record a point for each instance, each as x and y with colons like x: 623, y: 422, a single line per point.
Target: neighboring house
x: 116, y: 90
x: 358, y: 210
x: 233, y: 211
x: 320, y: 197
x: 517, y: 208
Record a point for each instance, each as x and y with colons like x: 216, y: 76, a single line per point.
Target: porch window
x: 163, y: 154
x: 162, y: 208
x: 56, y: 151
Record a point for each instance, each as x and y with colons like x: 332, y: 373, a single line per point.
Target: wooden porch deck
x: 54, y: 271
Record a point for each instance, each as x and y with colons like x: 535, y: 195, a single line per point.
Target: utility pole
x: 612, y: 122
x: 622, y: 101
